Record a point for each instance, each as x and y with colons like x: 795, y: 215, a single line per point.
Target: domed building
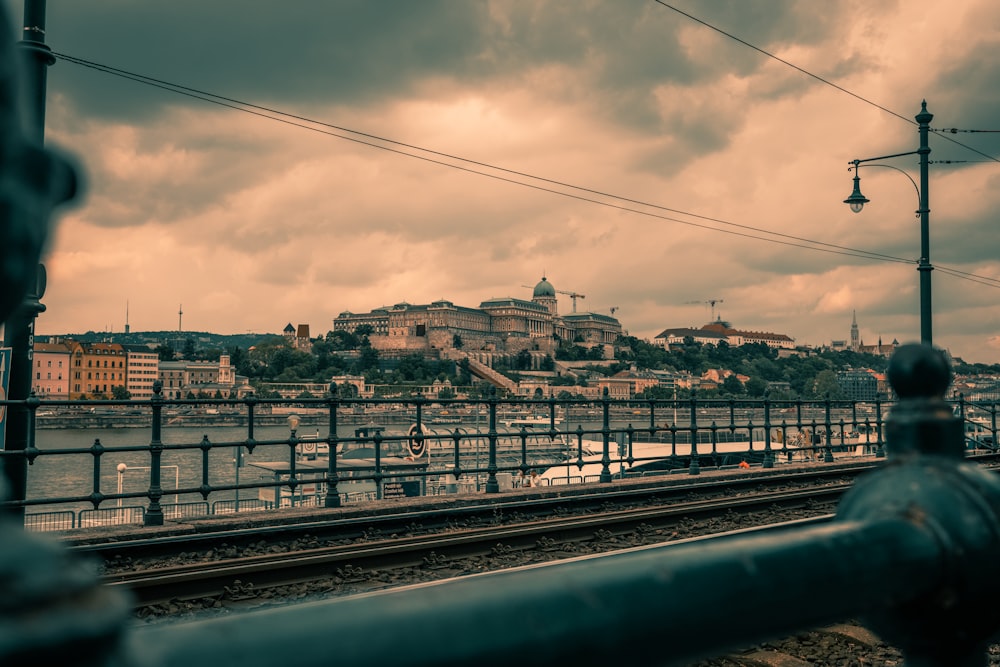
x: 545, y: 294
x: 505, y: 325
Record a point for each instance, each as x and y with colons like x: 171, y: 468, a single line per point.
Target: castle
x: 504, y: 325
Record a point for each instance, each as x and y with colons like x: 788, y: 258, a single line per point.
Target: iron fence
x: 330, y: 451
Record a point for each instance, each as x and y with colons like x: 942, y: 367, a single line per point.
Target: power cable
x: 265, y: 112
x: 819, y: 78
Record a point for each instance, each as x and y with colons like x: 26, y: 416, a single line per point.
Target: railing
x: 379, y: 448
x: 905, y: 553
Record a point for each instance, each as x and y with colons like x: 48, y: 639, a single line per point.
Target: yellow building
x: 96, y: 369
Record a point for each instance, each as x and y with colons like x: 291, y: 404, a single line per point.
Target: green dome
x: 544, y: 288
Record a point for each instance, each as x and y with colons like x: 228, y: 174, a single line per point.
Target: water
x: 70, y: 473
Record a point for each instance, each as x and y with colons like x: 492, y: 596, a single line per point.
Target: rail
x: 252, y: 455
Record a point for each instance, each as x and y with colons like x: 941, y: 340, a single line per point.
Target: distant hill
x: 176, y: 339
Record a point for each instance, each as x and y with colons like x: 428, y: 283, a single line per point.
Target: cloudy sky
x: 649, y: 156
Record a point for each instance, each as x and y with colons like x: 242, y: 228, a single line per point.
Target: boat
x: 311, y: 446
x: 529, y: 422
x: 438, y: 421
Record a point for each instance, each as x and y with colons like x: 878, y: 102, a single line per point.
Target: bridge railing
x: 331, y: 451
x: 905, y: 553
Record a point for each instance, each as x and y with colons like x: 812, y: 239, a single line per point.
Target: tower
x: 855, y: 336
x: 545, y: 295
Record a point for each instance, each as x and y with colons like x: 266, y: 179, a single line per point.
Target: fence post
x: 492, y: 485
x: 332, y: 493
x: 694, y: 467
x: 828, y: 426
x: 605, y: 477
x: 768, y: 452
x: 154, y: 513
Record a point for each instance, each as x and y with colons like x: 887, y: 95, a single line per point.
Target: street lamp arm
x: 889, y: 166
x: 883, y: 157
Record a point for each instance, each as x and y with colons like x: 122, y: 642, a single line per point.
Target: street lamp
x: 857, y: 201
x: 293, y: 426
x: 122, y: 468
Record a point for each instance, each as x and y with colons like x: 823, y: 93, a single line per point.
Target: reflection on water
x: 72, y: 474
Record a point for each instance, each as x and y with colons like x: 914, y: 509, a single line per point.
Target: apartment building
x: 51, y: 370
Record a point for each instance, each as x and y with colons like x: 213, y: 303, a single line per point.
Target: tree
x: 732, y: 385
x: 456, y: 342
x: 755, y: 387
x: 120, y: 393
x: 825, y: 385
x: 165, y: 352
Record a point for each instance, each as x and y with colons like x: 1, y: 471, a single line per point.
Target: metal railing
x: 364, y: 449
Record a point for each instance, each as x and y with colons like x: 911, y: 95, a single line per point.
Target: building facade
x: 858, y: 384
x: 504, y: 325
x: 183, y: 378
x: 141, y: 371
x: 96, y: 369
x: 51, y: 370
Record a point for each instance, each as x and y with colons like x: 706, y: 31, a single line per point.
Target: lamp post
x: 293, y: 426
x: 857, y: 201
x: 123, y: 468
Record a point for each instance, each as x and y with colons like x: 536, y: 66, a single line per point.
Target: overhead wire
x: 281, y: 116
x: 983, y: 280
x: 820, y: 79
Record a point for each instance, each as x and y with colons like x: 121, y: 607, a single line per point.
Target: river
x: 70, y: 472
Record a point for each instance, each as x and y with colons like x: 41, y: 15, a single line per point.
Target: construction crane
x: 710, y: 302
x: 572, y: 295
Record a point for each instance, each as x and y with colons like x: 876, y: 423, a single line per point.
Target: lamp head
x: 293, y: 421
x: 857, y: 200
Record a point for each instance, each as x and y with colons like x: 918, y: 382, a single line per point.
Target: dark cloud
x: 266, y: 52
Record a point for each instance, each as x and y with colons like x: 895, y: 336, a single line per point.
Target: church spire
x: 855, y: 334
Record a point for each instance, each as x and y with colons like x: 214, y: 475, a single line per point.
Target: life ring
x: 309, y: 447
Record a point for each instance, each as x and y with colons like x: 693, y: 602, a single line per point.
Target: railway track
x: 456, y: 550
x: 120, y: 550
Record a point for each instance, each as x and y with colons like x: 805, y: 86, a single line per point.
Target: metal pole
x: 19, y: 329
x: 924, y: 267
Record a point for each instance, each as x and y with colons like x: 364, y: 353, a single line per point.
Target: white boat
x: 311, y: 446
x: 530, y: 422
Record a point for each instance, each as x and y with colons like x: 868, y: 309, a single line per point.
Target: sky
x: 676, y: 162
